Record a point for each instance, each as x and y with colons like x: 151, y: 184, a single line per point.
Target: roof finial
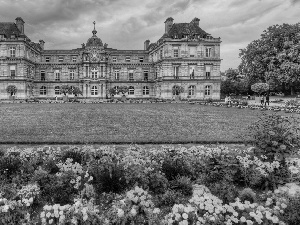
x: 94, y: 31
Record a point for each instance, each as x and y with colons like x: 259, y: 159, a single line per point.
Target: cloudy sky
x: 126, y: 24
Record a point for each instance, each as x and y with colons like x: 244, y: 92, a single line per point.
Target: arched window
x: 192, y: 90
x: 43, y: 90
x: 57, y: 90
x: 207, y: 90
x: 94, y: 90
x: 131, y: 90
x: 145, y: 90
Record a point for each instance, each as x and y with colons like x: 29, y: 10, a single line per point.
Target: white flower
x: 185, y: 216
x: 120, y: 213
x: 243, y: 219
x: 133, y: 212
x: 156, y: 211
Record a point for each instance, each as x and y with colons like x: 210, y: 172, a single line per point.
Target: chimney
x: 168, y: 24
x: 20, y: 24
x: 195, y: 21
x: 42, y: 44
x: 146, y: 44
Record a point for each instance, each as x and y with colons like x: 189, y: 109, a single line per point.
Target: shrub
x: 109, y: 179
x: 224, y: 190
x: 72, y: 153
x: 247, y: 194
x: 183, y: 185
x: 275, y: 136
x: 169, y: 198
x: 10, y: 165
x: 173, y: 167
x: 292, y: 216
x: 158, y: 183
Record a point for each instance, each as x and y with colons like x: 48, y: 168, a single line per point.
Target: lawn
x: 122, y: 123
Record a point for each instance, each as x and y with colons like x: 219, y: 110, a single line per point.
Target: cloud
x: 65, y: 24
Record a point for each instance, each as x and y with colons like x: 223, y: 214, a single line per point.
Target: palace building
x: 185, y: 56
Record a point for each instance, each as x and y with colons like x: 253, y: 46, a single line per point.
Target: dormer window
x: 12, y: 36
x: 47, y: 59
x: 60, y: 59
x: 74, y: 58
x: 175, y: 36
x: 114, y: 59
x: 127, y: 59
x: 141, y: 59
x: 12, y: 51
x: 1, y: 36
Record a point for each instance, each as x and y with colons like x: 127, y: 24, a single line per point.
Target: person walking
x: 267, y: 100
x: 262, y: 99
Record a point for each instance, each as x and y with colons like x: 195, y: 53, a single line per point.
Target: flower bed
x: 199, y: 185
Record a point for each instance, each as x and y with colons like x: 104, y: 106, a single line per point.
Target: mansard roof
x: 181, y: 29
x: 9, y: 28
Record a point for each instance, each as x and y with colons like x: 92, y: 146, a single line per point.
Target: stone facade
x: 185, y: 56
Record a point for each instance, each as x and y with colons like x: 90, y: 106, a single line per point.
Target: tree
x: 275, y: 57
x: 260, y: 88
x: 123, y: 89
x: 11, y: 89
x: 76, y: 91
x: 65, y: 89
x: 113, y: 91
x: 176, y: 90
x: 227, y: 87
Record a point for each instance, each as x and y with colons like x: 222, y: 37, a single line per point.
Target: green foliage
x: 292, y: 216
x: 158, y: 183
x: 65, y: 89
x: 73, y: 153
x: 173, y: 167
x: 273, y: 58
x: 176, y: 90
x: 247, y: 194
x: 224, y: 190
x: 11, y: 89
x: 182, y: 184
x: 260, y: 88
x: 10, y: 166
x: 275, y: 136
x: 75, y: 91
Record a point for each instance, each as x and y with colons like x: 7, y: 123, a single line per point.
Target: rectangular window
x: 156, y: 74
x: 207, y: 72
x: 47, y: 59
x: 12, y: 71
x: 192, y: 51
x: 176, y: 72
x: 12, y: 51
x: 13, y: 36
x: 60, y: 59
x: 208, y: 52
x: 127, y: 59
x: 161, y: 54
x: 43, y: 75
x: 207, y: 90
x: 192, y: 90
x: 101, y: 71
x: 114, y: 59
x: 141, y: 59
x: 72, y: 74
x: 117, y: 74
x: 175, y: 52
x: 192, y: 72
x: 57, y: 75
x: 146, y: 75
x: 74, y: 59
x: 130, y: 75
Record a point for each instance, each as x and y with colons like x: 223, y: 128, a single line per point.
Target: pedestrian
x: 249, y: 97
x: 229, y: 100
x: 262, y: 99
x: 56, y: 98
x: 267, y: 100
